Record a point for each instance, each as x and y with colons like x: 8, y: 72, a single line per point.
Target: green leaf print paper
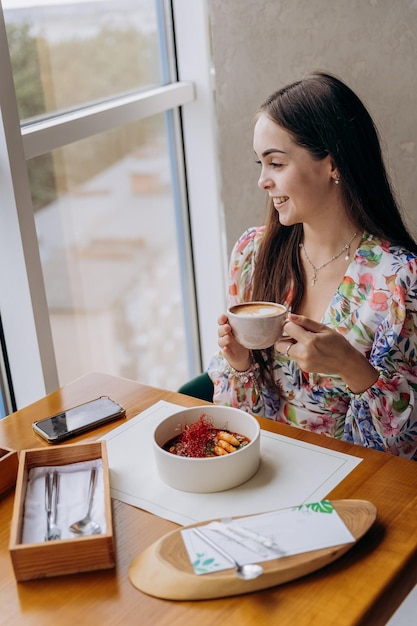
x: 295, y: 530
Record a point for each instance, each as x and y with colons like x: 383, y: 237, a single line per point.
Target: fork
x: 51, y: 505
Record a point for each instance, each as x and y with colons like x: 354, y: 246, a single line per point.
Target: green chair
x: 199, y: 387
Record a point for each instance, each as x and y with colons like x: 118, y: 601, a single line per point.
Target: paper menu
x: 295, y: 530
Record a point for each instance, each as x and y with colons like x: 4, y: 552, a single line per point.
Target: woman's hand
x: 236, y: 355
x: 319, y: 349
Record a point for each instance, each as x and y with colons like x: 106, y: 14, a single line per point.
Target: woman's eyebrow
x: 272, y: 151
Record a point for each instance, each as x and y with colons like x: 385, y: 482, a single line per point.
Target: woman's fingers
x: 222, y: 319
x: 237, y: 356
x: 224, y: 329
x: 300, y: 321
x: 225, y: 334
x: 313, y: 345
x: 285, y: 345
x: 300, y: 329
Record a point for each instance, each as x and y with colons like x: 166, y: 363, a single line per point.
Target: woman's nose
x: 264, y: 182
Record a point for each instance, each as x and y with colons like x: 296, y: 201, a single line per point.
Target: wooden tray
x: 64, y: 556
x: 8, y: 469
x: 164, y: 569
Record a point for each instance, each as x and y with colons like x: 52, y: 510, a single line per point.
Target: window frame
x: 190, y: 99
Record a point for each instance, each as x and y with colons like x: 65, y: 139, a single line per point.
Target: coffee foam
x: 258, y: 310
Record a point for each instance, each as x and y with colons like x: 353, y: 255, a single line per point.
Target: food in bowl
x: 202, y: 440
x: 207, y: 474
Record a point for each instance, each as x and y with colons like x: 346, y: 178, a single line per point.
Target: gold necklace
x: 336, y: 256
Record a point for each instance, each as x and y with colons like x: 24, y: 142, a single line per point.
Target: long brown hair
x: 325, y: 117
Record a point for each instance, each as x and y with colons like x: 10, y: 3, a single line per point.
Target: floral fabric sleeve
x: 231, y: 390
x: 385, y: 415
x: 242, y: 263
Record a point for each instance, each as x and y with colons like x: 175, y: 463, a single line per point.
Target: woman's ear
x: 334, y: 172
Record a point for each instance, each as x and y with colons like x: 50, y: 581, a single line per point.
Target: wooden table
x: 365, y: 586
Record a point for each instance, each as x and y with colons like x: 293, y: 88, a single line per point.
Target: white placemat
x: 291, y: 473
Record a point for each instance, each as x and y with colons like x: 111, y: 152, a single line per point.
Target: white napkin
x: 72, y: 503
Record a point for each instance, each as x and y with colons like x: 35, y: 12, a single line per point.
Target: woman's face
x: 301, y: 188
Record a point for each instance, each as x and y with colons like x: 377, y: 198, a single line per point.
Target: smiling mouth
x: 278, y: 200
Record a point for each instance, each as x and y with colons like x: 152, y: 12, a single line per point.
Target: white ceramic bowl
x: 206, y: 475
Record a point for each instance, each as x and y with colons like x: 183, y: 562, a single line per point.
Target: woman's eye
x: 273, y: 165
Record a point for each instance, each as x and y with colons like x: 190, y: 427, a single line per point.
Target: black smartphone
x: 78, y: 419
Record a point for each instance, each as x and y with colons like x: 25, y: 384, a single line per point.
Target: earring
x: 337, y: 180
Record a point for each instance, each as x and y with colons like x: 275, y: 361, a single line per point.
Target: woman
x: 336, y: 251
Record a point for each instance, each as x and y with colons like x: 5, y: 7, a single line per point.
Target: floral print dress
x: 375, y: 309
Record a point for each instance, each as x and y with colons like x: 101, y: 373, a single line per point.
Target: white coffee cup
x: 257, y: 325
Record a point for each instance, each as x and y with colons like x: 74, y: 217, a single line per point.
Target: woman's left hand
x: 319, y: 349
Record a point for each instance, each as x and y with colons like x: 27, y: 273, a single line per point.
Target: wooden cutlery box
x: 8, y: 469
x: 60, y: 556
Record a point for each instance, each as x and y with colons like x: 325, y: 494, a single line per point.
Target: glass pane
x: 105, y: 218
x: 68, y: 53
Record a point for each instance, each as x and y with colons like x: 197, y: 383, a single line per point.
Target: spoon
x: 86, y: 525
x: 246, y: 571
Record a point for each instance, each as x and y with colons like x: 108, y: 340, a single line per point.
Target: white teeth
x: 280, y: 199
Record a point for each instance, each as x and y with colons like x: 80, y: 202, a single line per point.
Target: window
x: 106, y: 278
x: 110, y: 257
x: 67, y: 54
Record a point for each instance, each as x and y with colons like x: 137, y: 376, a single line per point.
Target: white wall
x: 260, y: 46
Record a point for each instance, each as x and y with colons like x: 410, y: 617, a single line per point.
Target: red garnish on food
x: 197, y: 438
x: 201, y: 440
